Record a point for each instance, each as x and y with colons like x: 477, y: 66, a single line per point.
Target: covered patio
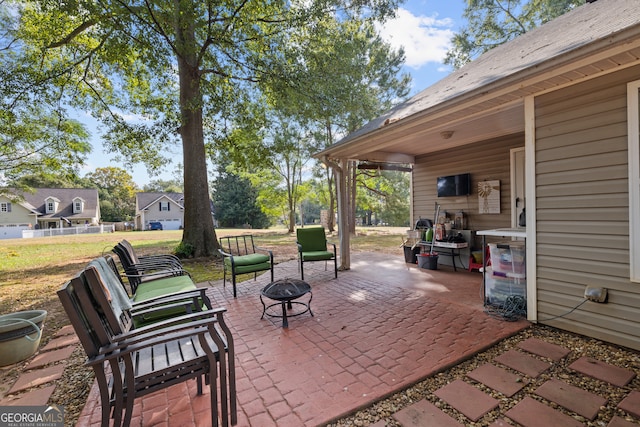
x: 378, y: 328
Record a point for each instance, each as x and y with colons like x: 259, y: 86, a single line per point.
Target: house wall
x: 582, y: 209
x: 18, y: 214
x: 171, y: 219
x: 12, y: 223
x: 487, y: 160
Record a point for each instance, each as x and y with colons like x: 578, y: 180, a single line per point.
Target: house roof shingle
x: 590, y: 27
x: 144, y: 200
x: 65, y: 196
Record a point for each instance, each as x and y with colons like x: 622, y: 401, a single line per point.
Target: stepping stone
x: 524, y: 363
x: 617, y: 421
x: 631, y: 404
x: 47, y: 357
x: 65, y: 330
x: 34, y: 397
x: 467, y: 399
x: 500, y: 422
x: 545, y: 349
x: 37, y: 377
x: 60, y: 342
x: 603, y: 371
x: 573, y: 398
x: 498, y: 379
x: 531, y: 413
x: 424, y: 413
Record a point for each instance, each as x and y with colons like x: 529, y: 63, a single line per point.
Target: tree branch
x: 73, y: 34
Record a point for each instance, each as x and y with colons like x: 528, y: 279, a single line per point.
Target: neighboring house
x: 553, y: 117
x: 48, y: 208
x: 166, y: 208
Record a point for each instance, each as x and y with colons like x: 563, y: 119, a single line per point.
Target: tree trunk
x: 199, y: 232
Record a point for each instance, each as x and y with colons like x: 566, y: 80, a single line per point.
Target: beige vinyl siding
x: 582, y: 209
x: 486, y: 160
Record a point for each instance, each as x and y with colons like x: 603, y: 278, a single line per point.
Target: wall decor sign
x: 489, y: 197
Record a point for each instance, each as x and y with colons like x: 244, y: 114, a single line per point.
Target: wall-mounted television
x: 454, y: 185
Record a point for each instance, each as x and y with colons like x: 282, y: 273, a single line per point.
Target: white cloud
x: 424, y: 38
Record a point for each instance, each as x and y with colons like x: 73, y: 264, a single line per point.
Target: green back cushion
x: 312, y: 239
x: 119, y: 299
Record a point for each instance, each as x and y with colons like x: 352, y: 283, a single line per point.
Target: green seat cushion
x: 316, y: 255
x: 249, y: 260
x: 240, y: 269
x: 161, y: 287
x: 158, y: 288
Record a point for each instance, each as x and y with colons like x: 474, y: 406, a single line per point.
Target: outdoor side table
x: 285, y: 291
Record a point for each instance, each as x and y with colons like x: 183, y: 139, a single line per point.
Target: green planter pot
x: 20, y: 335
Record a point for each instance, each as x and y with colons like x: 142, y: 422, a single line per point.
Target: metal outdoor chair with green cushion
x: 313, y: 246
x: 129, y: 362
x: 242, y: 256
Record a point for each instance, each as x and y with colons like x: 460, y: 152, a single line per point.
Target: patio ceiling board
x: 421, y: 139
x: 575, y: 46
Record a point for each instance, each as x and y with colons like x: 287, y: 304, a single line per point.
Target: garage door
x: 12, y: 231
x: 171, y: 224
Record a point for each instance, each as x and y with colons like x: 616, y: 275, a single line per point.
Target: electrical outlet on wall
x: 595, y: 294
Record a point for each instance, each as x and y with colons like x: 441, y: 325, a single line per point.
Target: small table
x: 285, y: 291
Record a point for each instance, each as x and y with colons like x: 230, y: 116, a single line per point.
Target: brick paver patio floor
x: 379, y: 327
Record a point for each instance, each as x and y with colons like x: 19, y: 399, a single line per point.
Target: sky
x: 423, y: 27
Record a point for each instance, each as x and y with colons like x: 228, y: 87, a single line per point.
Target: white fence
x: 66, y: 231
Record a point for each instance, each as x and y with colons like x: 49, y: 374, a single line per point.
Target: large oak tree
x: 184, y: 70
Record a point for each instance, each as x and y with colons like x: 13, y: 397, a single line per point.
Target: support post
x: 340, y: 169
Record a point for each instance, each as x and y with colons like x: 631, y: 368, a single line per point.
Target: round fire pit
x: 285, y: 291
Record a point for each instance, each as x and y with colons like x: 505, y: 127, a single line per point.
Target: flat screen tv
x: 454, y: 185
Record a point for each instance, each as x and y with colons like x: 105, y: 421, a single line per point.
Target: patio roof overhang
x: 485, y: 99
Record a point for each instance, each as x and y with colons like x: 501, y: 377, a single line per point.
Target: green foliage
x: 494, y: 22
x: 51, y: 180
x: 235, y: 202
x: 165, y: 72
x: 164, y: 186
x: 117, y: 193
x: 385, y: 196
x: 184, y: 250
x: 340, y: 75
x: 36, y: 136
